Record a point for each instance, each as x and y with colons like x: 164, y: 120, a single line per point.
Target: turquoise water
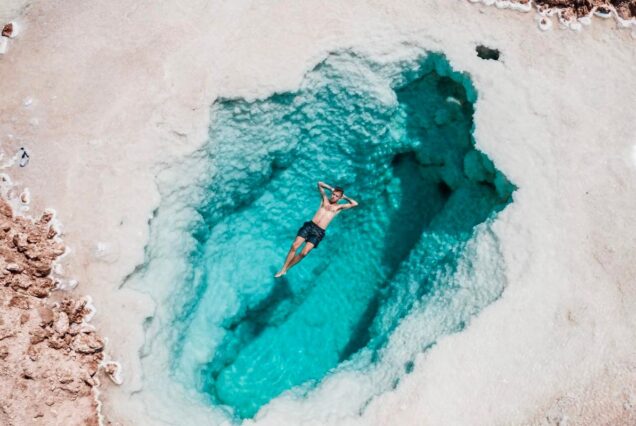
x: 398, y: 138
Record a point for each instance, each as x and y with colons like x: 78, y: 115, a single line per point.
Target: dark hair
x: 338, y: 189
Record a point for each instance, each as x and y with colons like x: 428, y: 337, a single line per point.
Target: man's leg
x: 292, y: 251
x: 297, y: 258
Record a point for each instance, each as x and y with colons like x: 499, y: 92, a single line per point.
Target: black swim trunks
x: 311, y: 232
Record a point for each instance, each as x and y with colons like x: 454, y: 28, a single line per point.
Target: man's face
x: 335, y: 196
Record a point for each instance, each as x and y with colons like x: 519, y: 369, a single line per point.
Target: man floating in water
x: 313, y: 231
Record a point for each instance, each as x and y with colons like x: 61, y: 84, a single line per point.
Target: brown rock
x: 110, y: 368
x: 51, y: 233
x: 5, y: 208
x: 41, y: 269
x: 32, y: 253
x: 24, y: 318
x: 46, y: 316
x: 14, y: 268
x: 72, y: 387
x: 39, y: 291
x: 39, y: 335
x: 91, y: 421
x: 90, y: 381
x: 20, y: 242
x: 21, y: 281
x: 27, y: 373
x: 33, y: 238
x: 112, y: 371
x: 75, y: 310
x: 56, y: 342
x: 21, y: 302
x: 46, y: 217
x: 58, y: 250
x: 61, y: 326
x: 65, y: 378
x: 88, y: 343
x: 33, y: 353
x: 4, y: 352
x: 11, y: 257
x: 92, y: 366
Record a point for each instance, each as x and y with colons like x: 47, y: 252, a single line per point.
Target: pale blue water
x: 398, y: 139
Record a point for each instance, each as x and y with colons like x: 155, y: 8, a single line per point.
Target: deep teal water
x: 398, y: 138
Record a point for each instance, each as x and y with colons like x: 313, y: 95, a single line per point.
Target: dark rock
x: 7, y: 30
x: 487, y: 53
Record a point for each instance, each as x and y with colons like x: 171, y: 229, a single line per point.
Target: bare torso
x: 325, y: 214
x: 329, y: 208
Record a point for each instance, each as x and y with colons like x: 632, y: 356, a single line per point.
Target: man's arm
x: 321, y: 188
x: 351, y: 203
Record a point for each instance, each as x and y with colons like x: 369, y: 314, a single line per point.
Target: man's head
x: 336, y: 194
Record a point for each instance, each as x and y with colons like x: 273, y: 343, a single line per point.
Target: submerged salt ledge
x: 358, y: 79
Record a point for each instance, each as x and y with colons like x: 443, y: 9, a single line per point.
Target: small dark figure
x: 24, y: 157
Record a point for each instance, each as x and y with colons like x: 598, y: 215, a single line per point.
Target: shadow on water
x: 416, y: 201
x: 250, y: 324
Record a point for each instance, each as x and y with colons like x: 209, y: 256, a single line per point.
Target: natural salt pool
x: 398, y: 138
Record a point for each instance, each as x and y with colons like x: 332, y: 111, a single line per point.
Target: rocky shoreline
x: 572, y: 9
x: 49, y: 355
x: 572, y: 13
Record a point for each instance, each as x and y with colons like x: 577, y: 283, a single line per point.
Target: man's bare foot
x: 280, y: 273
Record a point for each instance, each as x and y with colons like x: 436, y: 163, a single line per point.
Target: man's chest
x: 329, y: 209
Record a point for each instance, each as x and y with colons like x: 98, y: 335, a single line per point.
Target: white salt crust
x: 555, y: 115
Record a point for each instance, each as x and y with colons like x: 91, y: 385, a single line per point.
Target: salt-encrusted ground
x: 102, y: 94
